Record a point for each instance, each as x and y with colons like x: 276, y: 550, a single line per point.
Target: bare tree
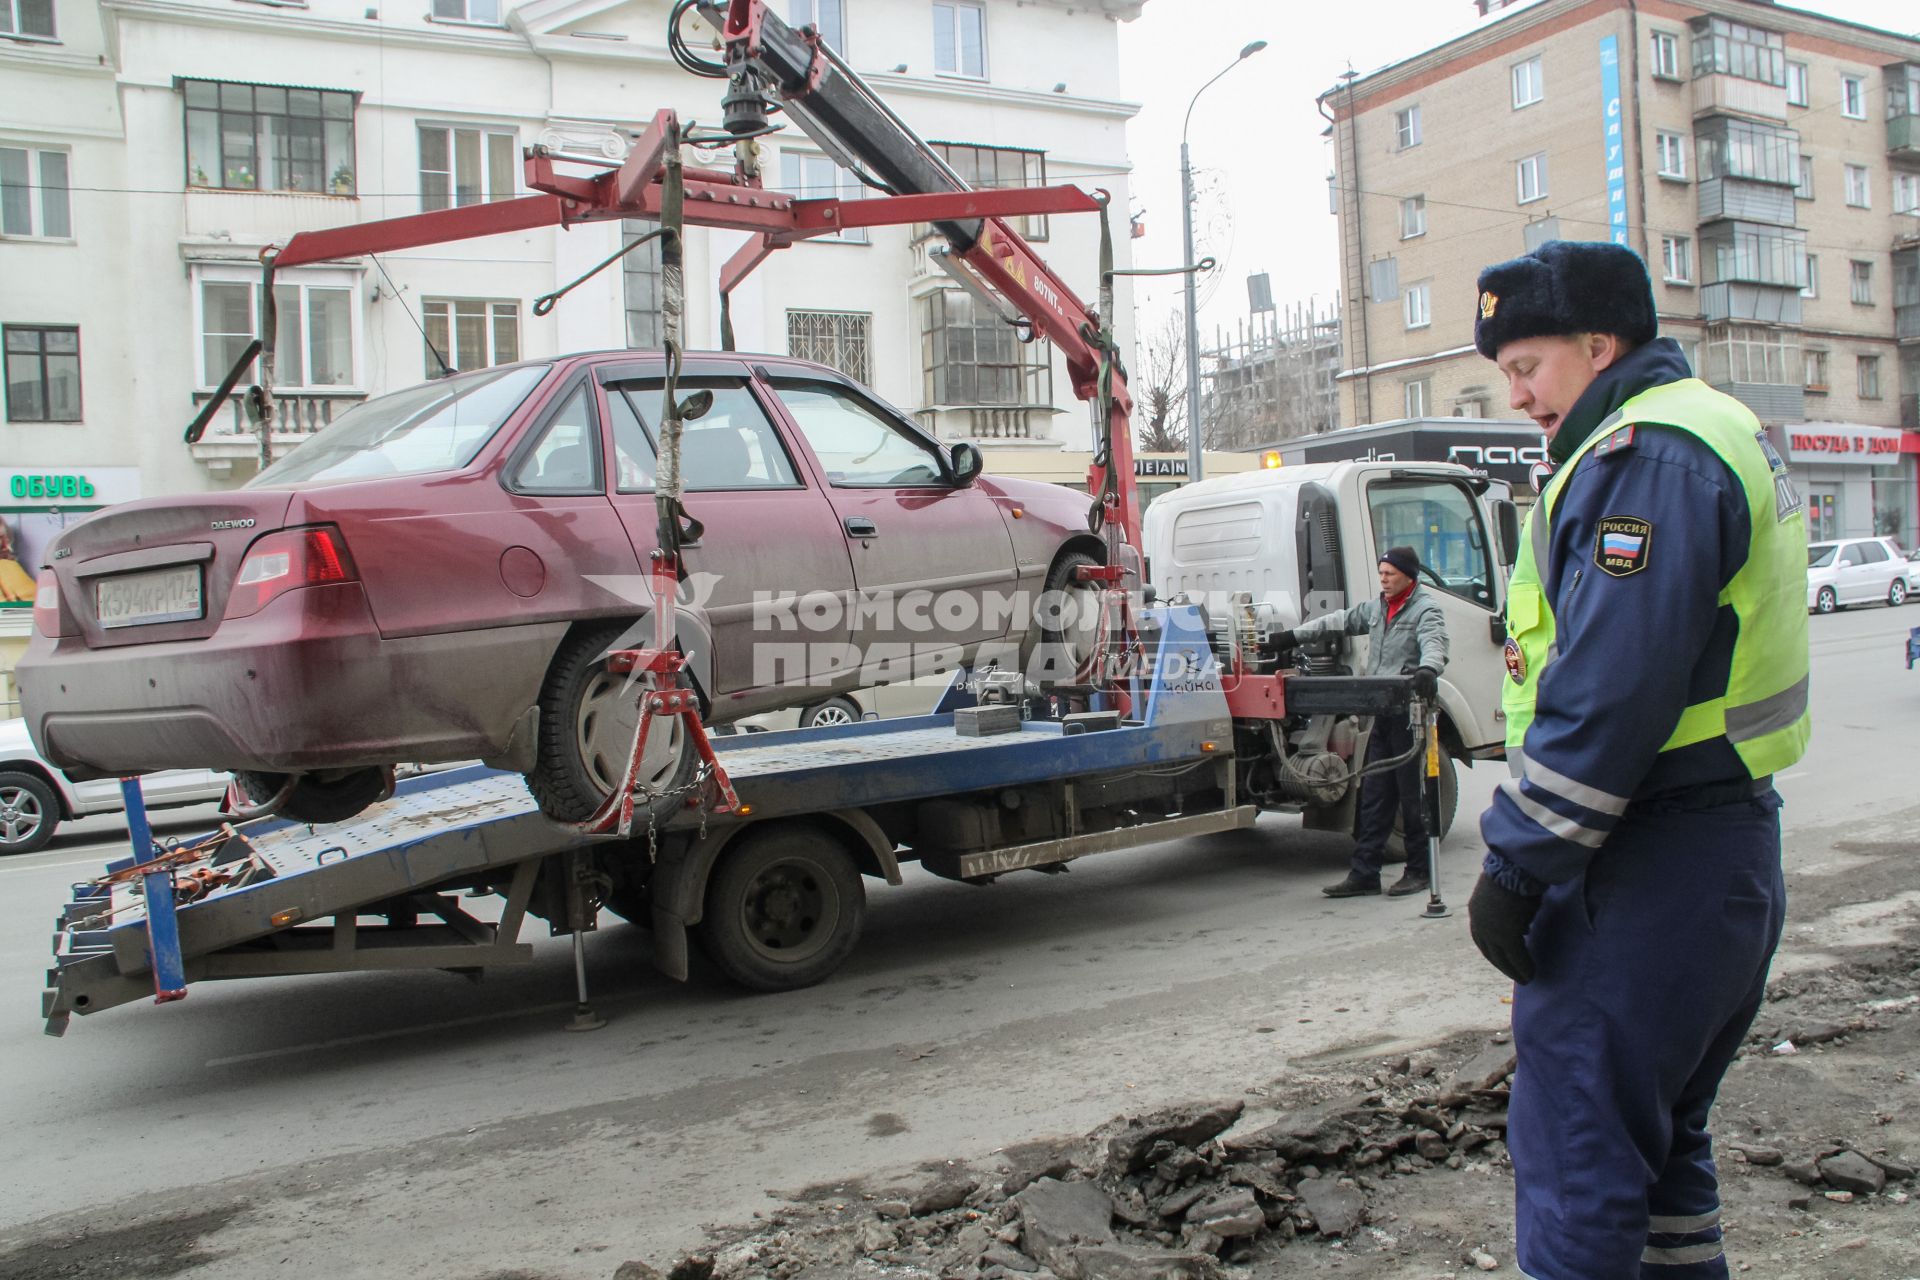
x: 1159, y: 387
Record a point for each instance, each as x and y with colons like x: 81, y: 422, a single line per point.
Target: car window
x: 437, y: 426
x: 1851, y: 555
x: 566, y: 459
x: 1439, y: 521
x: 1819, y: 557
x: 730, y: 446
x: 1871, y: 553
x: 632, y: 447
x: 857, y: 447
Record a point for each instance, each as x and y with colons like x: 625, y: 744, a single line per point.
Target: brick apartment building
x: 1764, y: 160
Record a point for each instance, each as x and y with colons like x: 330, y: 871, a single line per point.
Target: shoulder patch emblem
x: 1516, y: 661
x: 1619, y: 440
x: 1622, y: 545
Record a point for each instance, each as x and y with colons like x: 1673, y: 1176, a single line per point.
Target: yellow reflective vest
x: 1763, y: 713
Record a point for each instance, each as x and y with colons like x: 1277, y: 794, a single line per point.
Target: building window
x: 246, y: 137
x: 1817, y: 371
x: 1529, y: 83
x: 1413, y: 217
x: 1754, y: 253
x: 1853, y: 97
x: 840, y: 340
x: 1666, y: 55
x: 470, y: 333
x: 1860, y: 274
x: 460, y: 167
x: 1406, y: 128
x: 989, y: 168
x: 316, y: 329
x: 1751, y: 354
x: 1804, y: 191
x: 814, y: 177
x: 1812, y: 287
x: 1676, y: 259
x: 960, y: 39
x: 1869, y: 369
x: 1859, y: 186
x: 1672, y: 148
x: 43, y: 373
x: 828, y: 17
x: 969, y: 356
x: 640, y: 278
x: 34, y: 197
x: 1796, y: 84
x: 1530, y: 178
x: 1417, y: 391
x: 1728, y: 48
x: 1419, y: 305
x: 1906, y: 193
x: 32, y: 19
x: 484, y: 13
x: 1726, y: 148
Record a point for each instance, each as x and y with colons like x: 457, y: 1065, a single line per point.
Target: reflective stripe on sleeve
x: 1557, y: 824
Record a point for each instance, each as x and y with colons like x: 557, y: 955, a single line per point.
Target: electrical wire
x: 445, y: 368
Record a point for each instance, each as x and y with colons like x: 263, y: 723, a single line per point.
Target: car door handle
x: 860, y: 527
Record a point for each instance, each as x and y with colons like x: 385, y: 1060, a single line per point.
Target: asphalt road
x: 381, y: 1125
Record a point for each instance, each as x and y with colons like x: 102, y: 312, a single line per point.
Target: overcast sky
x: 1260, y: 162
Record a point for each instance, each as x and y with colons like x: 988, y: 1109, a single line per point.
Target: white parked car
x: 1856, y: 571
x: 35, y: 797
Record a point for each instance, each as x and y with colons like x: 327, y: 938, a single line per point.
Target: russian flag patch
x: 1622, y: 544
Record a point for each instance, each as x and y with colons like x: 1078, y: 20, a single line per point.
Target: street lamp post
x: 1193, y: 314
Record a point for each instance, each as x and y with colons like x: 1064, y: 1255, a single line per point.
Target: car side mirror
x: 1507, y: 517
x: 967, y: 463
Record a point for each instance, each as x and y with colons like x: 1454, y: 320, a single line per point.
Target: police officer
x: 1658, y: 663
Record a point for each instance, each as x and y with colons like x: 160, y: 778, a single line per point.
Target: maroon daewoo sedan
x: 437, y: 576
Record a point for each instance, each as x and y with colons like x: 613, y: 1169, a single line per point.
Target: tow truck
x: 1180, y: 721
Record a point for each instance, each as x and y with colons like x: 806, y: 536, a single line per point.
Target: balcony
x: 1903, y: 109
x: 1910, y: 411
x: 231, y: 437
x: 1770, y: 401
x: 1738, y: 300
x: 1715, y: 95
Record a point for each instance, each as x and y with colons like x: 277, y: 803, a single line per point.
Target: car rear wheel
x: 831, y: 712
x: 29, y: 812
x: 1826, y: 601
x: 588, y: 716
x: 316, y: 797
x: 1897, y: 593
x: 784, y: 908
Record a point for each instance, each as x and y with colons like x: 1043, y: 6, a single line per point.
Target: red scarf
x: 1396, y: 603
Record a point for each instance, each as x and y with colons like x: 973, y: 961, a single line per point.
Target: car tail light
x: 286, y: 561
x: 46, y: 606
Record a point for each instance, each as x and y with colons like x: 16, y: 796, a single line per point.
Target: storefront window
x: 1893, y: 508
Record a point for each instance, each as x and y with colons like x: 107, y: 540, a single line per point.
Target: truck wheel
x: 1066, y: 623
x: 587, y: 719
x: 29, y: 812
x: 315, y: 798
x: 783, y: 909
x: 1449, y: 802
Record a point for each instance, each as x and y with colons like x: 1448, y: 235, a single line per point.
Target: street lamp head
x: 1253, y: 48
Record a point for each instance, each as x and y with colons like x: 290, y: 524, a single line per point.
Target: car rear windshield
x: 1819, y: 557
x: 437, y: 426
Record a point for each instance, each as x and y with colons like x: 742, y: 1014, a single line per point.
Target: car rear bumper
x: 307, y: 683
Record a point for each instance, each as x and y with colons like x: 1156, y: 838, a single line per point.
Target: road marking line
x: 55, y: 866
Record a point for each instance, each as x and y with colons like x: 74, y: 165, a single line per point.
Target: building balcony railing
x: 231, y: 436
x: 1720, y: 94
x: 1741, y: 300
x: 1903, y: 137
x: 1771, y: 402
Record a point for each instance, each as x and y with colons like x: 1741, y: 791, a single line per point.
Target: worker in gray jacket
x: 1407, y: 635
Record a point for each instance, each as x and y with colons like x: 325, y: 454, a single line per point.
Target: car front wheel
x: 29, y: 812
x: 588, y: 718
x: 1897, y: 593
x: 1826, y: 601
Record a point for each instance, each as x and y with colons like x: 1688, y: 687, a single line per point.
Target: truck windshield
x: 437, y: 426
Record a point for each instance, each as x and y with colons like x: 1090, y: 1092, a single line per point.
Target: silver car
x: 35, y: 797
x: 1856, y: 571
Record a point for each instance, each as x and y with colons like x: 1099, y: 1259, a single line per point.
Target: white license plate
x: 135, y: 599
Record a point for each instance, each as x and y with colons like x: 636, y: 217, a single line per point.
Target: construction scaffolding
x: 1272, y: 377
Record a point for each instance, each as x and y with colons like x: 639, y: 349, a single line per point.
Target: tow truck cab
x: 1274, y: 548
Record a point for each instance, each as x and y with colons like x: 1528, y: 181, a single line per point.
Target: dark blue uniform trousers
x: 1651, y: 968
x: 1382, y: 794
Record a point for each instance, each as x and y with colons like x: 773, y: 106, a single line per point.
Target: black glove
x: 1284, y: 643
x: 1498, y: 919
x: 1426, y: 683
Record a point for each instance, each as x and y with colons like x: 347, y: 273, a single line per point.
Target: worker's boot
x: 1352, y: 887
x: 1411, y: 882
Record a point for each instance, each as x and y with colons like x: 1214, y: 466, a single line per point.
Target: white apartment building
x: 149, y: 149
